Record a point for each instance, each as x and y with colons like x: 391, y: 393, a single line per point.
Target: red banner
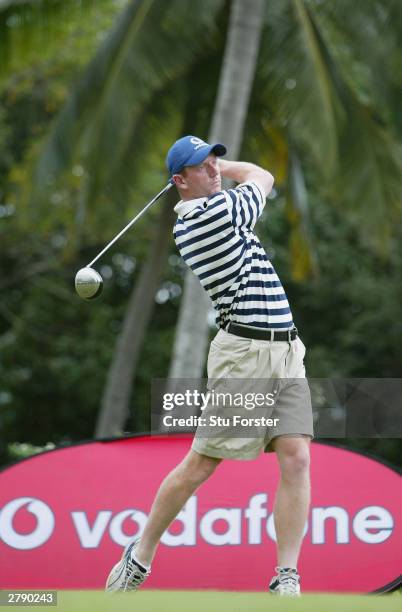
x: 66, y: 514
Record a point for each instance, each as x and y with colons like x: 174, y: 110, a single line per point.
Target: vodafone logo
x: 83, y: 502
x: 371, y: 525
x: 44, y: 523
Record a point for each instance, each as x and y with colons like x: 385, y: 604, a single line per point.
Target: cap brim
x: 199, y: 156
x: 219, y: 149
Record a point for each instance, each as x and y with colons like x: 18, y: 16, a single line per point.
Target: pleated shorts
x: 259, y: 391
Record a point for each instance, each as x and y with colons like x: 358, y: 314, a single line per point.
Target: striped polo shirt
x: 215, y: 238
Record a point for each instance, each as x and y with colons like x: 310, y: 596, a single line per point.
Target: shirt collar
x: 182, y: 208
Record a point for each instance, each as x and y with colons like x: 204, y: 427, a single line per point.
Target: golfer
x: 214, y: 233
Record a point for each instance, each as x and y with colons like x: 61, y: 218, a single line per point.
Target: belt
x: 262, y: 334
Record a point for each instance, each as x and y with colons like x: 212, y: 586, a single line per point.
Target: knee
x: 199, y: 468
x: 295, y: 463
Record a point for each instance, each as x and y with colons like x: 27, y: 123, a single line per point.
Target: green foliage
x: 33, y: 31
x: 322, y: 88
x: 18, y: 451
x: 139, y: 57
x: 34, y: 88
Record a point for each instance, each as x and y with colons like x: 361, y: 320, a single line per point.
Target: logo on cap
x: 198, y: 143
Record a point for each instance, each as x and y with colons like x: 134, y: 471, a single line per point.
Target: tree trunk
x: 117, y: 393
x: 238, y: 68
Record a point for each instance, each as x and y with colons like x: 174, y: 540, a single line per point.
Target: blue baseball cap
x: 190, y: 151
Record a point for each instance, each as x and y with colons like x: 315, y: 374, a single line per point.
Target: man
x: 256, y: 339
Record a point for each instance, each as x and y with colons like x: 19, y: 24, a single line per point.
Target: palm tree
x: 313, y: 108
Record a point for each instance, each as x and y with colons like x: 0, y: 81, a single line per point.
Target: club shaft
x: 123, y: 231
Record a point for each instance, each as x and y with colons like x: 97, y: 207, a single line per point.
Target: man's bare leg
x: 292, y: 497
x: 175, y: 490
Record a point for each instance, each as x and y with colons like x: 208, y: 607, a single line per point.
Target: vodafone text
x: 251, y: 524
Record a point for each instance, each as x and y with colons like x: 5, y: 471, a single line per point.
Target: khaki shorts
x: 254, y: 365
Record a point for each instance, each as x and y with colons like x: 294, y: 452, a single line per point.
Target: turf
x: 212, y: 601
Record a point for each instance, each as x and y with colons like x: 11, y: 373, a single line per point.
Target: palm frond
x: 365, y: 45
x: 371, y: 168
x: 142, y: 53
x: 299, y: 83
x: 303, y: 252
x: 343, y: 141
x: 368, y: 182
x: 179, y: 107
x: 32, y: 30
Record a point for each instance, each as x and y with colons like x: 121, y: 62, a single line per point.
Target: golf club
x: 88, y: 282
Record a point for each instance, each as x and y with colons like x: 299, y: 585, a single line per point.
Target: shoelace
x: 134, y: 576
x: 288, y: 581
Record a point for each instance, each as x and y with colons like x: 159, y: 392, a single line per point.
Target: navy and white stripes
x: 216, y: 240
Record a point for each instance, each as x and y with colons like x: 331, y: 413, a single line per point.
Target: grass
x: 218, y: 601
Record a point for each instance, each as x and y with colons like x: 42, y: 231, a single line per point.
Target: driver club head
x: 88, y: 283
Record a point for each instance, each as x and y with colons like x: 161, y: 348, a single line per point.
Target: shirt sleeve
x: 245, y: 203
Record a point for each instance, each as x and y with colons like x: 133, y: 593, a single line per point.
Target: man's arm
x: 244, y: 171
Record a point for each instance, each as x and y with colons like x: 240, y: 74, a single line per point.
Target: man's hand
x: 244, y: 171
